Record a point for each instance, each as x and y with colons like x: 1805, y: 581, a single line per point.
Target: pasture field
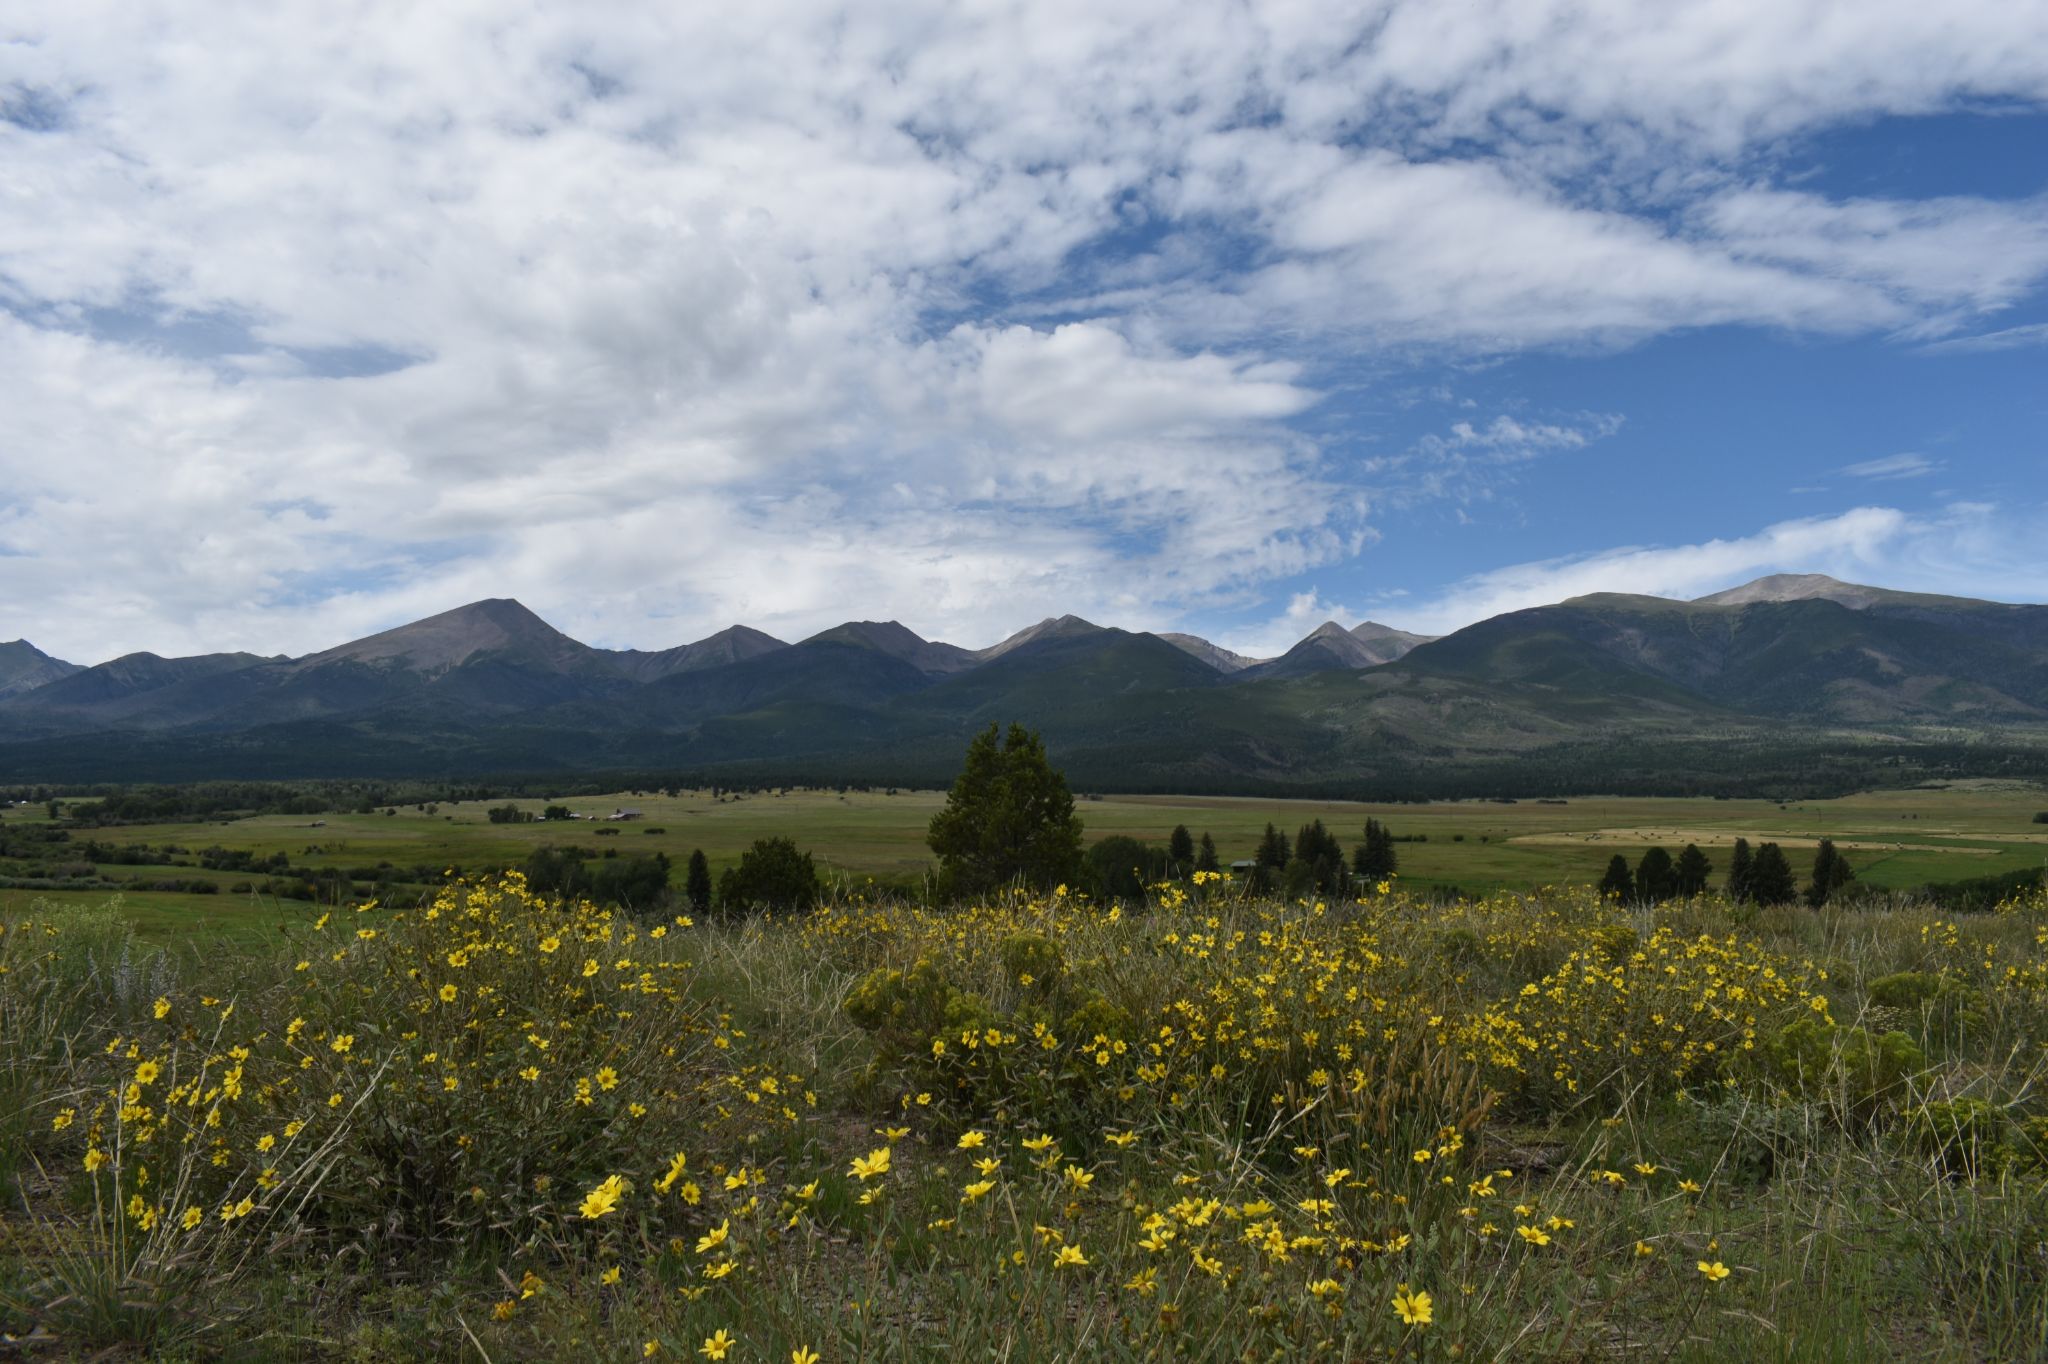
x: 1894, y: 839
x: 1209, y: 1127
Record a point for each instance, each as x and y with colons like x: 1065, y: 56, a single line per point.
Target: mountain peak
x: 24, y: 667
x: 1052, y: 627
x: 1793, y: 587
x: 439, y: 643
x: 898, y: 641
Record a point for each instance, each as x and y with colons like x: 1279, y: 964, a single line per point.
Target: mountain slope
x: 896, y: 641
x: 1384, y: 643
x: 1808, y: 657
x: 24, y: 667
x: 734, y: 644
x: 498, y: 627
x: 1052, y: 627
x: 1327, y: 648
x: 1215, y: 655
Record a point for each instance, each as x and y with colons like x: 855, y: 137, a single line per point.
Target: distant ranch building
x: 623, y: 814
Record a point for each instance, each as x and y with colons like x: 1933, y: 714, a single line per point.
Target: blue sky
x: 1185, y: 316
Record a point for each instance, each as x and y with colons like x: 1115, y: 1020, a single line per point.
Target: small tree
x: 1317, y: 849
x: 1741, y: 872
x: 1770, y: 877
x: 1269, y: 859
x: 1375, y: 860
x: 1693, y: 871
x: 1618, y: 883
x: 1119, y: 866
x: 1205, y: 859
x: 1831, y: 871
x: 1180, y: 850
x: 1009, y: 817
x: 697, y: 883
x: 773, y: 874
x: 1656, y: 879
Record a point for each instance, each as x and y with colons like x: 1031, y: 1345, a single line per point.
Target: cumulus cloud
x: 1966, y: 549
x: 662, y: 318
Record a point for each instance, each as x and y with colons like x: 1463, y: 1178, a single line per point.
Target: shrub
x: 1119, y: 866
x: 1031, y: 959
x: 1859, y: 1072
x: 1904, y: 990
x: 773, y: 874
x: 1965, y: 1137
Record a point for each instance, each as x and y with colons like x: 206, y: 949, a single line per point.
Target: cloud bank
x: 313, y: 322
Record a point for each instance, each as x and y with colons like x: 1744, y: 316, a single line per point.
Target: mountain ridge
x: 1852, y: 669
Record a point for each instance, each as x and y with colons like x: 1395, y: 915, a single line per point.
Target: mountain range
x: 1792, y: 681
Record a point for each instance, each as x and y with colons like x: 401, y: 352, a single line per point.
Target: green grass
x: 1913, y: 837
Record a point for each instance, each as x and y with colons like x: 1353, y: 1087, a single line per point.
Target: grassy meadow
x: 1209, y: 1126
x: 1894, y: 839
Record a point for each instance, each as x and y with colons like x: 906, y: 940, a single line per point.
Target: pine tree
x: 1770, y: 877
x: 1317, y: 849
x: 1009, y: 816
x: 1831, y: 871
x: 1656, y: 880
x: 1205, y: 860
x: 697, y: 883
x: 1270, y: 859
x: 1618, y: 883
x: 1693, y: 871
x: 1180, y: 850
x: 1741, y: 872
x: 1375, y: 861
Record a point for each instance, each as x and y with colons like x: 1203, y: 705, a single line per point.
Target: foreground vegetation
x: 1211, y: 1126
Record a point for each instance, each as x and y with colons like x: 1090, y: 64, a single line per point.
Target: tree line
x: 1762, y: 876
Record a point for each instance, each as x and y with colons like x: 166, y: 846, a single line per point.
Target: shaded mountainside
x: 24, y: 667
x: 1789, y: 682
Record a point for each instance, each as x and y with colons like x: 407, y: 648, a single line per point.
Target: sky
x: 1174, y: 314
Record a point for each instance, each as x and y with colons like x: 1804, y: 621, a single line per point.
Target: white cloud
x: 2007, y: 338
x: 1965, y: 550
x: 701, y: 314
x: 1907, y: 465
x: 1304, y: 612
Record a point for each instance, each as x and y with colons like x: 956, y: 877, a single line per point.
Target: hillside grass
x: 1211, y: 1127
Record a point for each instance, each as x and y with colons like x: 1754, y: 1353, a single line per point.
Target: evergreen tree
x: 1009, y: 816
x: 1269, y: 860
x: 773, y: 874
x: 1205, y: 860
x: 1741, y: 871
x: 1770, y: 877
x: 1375, y: 860
x: 1693, y: 871
x: 1118, y: 868
x: 1180, y: 850
x: 697, y: 883
x: 1656, y: 879
x: 1831, y: 871
x: 1317, y: 849
x: 1618, y: 883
